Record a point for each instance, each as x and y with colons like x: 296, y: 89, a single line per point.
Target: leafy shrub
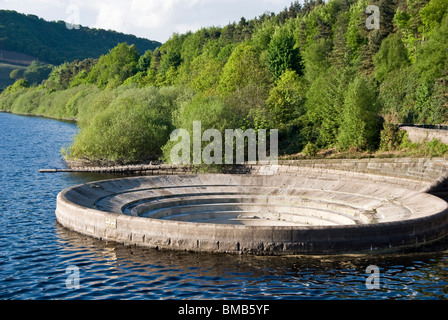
x: 310, y: 150
x: 212, y: 112
x: 391, y: 137
x: 132, y: 128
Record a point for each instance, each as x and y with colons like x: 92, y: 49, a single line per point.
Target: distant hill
x: 15, y: 58
x: 52, y: 42
x: 5, y: 70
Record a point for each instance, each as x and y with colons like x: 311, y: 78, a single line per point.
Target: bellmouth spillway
x: 271, y: 211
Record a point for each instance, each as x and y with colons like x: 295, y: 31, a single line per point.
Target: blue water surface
x: 38, y: 256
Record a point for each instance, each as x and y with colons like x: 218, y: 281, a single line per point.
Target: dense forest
x: 54, y: 43
x: 314, y: 71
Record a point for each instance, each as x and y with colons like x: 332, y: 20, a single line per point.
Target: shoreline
x: 72, y: 120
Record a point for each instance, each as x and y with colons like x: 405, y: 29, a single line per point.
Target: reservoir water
x: 38, y: 257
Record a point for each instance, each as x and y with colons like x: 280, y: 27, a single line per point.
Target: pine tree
x: 340, y: 55
x: 282, y: 54
x: 375, y: 37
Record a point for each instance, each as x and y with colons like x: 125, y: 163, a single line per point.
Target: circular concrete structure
x: 314, y: 212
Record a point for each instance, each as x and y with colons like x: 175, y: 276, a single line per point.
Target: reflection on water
x: 140, y: 273
x: 36, y: 252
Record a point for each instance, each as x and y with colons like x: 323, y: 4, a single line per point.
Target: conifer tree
x: 282, y: 54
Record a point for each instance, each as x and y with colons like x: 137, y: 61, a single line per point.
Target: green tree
x: 410, y: 24
x: 424, y: 106
x: 264, y: 32
x: 144, y: 61
x: 205, y: 73
x: 54, y: 81
x: 37, y: 72
x: 242, y: 69
x: 287, y: 99
x: 433, y: 13
x: 397, y: 95
x: 115, y: 67
x: 17, y: 86
x: 132, y: 127
x: 245, y: 81
x: 172, y: 59
x: 324, y: 104
x: 340, y: 55
x: 282, y: 54
x: 316, y: 57
x: 375, y: 37
x: 17, y: 74
x: 392, y: 56
x: 355, y: 35
x: 360, y: 125
x: 432, y: 56
x: 212, y: 113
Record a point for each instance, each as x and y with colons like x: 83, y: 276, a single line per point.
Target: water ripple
x: 36, y: 252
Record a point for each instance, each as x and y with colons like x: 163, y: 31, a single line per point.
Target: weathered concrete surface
x: 416, y: 134
x: 292, y: 208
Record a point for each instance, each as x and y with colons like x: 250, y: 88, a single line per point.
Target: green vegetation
x: 5, y: 71
x: 360, y: 125
x: 404, y: 147
x: 35, y: 73
x: 133, y: 126
x: 313, y: 71
x: 54, y: 43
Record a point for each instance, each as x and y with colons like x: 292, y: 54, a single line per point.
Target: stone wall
x: 418, y: 173
x: 421, y: 169
x: 417, y: 169
x: 417, y: 134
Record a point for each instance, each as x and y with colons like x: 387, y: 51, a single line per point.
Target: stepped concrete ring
x: 308, y: 213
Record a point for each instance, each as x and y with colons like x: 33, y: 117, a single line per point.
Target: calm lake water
x: 36, y: 252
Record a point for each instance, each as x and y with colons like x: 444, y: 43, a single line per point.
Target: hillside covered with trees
x: 313, y: 71
x: 54, y: 43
